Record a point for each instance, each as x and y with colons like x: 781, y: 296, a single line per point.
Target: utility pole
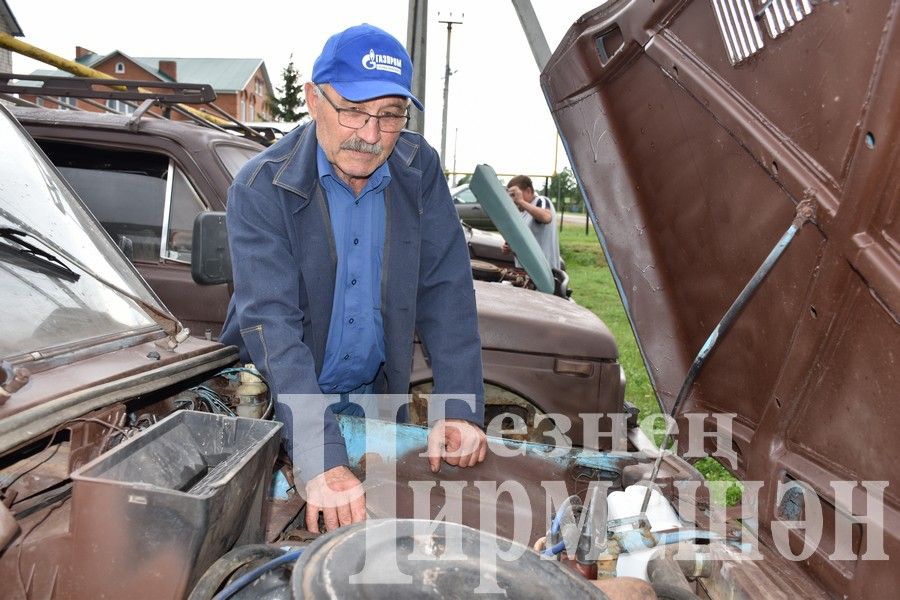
x: 416, y: 36
x: 533, y: 32
x: 450, y: 21
x: 455, y: 139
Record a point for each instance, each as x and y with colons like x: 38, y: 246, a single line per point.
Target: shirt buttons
x: 346, y: 356
x: 352, y: 282
x: 351, y: 320
x: 355, y: 241
x: 356, y: 203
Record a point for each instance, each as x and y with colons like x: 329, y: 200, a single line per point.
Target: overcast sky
x: 497, y: 113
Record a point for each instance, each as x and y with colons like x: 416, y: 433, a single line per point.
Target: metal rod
x: 804, y: 213
x: 248, y: 131
x: 416, y: 45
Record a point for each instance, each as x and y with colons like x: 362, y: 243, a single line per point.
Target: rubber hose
x: 248, y: 578
x: 219, y: 572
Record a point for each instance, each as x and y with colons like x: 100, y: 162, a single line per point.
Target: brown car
x: 127, y: 470
x: 710, y: 136
x: 146, y: 180
x: 740, y: 162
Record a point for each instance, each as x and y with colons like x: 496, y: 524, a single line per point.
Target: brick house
x: 8, y: 24
x: 242, y: 85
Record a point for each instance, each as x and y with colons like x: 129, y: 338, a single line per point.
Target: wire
x: 244, y: 580
x: 213, y: 400
x: 18, y: 476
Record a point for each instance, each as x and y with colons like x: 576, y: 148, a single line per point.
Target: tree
x: 288, y: 103
x: 564, y: 185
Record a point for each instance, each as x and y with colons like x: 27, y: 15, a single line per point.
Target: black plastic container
x: 155, y: 512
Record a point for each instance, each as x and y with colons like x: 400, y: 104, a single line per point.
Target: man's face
x: 354, y: 153
x: 515, y: 193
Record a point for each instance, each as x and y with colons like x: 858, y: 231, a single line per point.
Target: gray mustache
x: 359, y: 145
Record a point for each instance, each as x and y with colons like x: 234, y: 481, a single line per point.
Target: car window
x: 128, y: 191
x: 184, y: 207
x: 465, y: 197
x: 234, y: 157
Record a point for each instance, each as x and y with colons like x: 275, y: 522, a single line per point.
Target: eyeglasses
x: 357, y: 119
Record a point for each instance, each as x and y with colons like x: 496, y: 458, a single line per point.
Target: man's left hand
x: 458, y: 442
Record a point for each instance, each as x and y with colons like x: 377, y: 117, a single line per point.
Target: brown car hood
x: 694, y: 168
x: 519, y: 320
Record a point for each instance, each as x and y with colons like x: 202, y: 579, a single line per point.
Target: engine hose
x: 555, y: 549
x: 244, y: 580
x: 570, y: 504
x: 222, y: 569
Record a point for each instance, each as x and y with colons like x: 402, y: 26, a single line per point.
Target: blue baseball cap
x: 365, y: 62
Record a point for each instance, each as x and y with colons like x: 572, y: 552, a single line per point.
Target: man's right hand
x: 339, y: 495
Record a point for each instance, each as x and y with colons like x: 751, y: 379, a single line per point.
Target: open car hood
x: 694, y: 168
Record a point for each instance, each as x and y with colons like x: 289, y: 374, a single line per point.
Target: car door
x: 147, y: 203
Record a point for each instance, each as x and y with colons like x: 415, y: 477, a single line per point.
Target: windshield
x: 43, y: 306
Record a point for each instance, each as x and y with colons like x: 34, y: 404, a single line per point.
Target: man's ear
x: 312, y: 100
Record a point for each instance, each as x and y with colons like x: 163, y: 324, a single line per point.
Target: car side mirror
x: 210, y: 258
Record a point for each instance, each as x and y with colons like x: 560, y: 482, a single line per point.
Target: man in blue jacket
x: 345, y: 243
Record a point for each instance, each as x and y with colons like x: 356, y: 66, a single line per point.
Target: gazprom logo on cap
x: 381, y: 62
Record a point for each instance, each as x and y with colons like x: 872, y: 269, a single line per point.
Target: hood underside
x: 694, y: 168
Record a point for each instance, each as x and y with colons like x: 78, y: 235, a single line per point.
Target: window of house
x: 243, y: 110
x: 39, y: 101
x: 142, y: 199
x: 120, y: 67
x: 258, y: 86
x: 120, y: 106
x: 65, y: 103
x: 252, y: 111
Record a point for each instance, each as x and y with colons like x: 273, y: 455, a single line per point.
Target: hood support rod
x: 805, y: 212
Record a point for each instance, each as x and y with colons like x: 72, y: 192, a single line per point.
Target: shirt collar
x: 378, y: 180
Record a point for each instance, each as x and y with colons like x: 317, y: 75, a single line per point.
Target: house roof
x: 8, y: 21
x: 223, y: 74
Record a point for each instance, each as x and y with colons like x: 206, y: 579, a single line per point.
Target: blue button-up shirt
x: 355, y: 347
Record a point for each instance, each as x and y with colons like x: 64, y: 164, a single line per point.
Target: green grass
x: 594, y: 288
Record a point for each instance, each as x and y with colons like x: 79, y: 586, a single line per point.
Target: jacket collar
x: 295, y: 174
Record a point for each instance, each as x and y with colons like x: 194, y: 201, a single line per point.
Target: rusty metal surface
x: 693, y: 168
x: 527, y: 321
x: 101, y: 369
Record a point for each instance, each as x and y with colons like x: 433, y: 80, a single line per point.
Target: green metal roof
x: 223, y: 74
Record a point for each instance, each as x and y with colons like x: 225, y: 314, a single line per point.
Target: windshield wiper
x: 176, y: 331
x: 47, y: 263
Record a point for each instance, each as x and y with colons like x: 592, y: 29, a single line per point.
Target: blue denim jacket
x: 284, y: 262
